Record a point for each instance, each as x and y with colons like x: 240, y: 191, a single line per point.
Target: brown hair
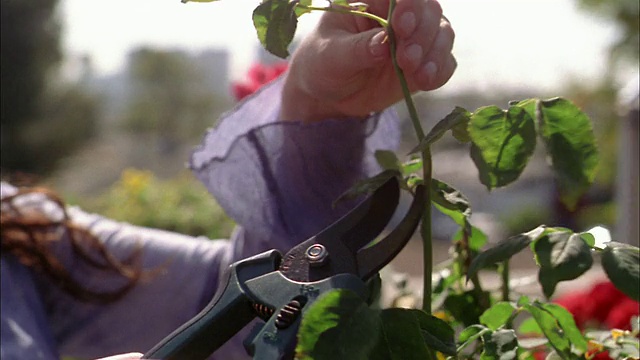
x: 29, y: 236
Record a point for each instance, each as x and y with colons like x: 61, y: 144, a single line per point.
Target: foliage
x: 35, y: 107
x: 47, y: 140
x: 170, y: 101
x: 180, y: 204
x: 626, y: 15
x: 351, y: 329
x: 501, y: 142
x: 30, y: 50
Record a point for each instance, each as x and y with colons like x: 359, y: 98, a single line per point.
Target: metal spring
x: 288, y: 314
x: 263, y: 311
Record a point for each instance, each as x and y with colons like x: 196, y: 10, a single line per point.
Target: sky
x: 499, y: 43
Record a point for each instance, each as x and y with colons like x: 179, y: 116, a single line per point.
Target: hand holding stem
x: 344, y: 67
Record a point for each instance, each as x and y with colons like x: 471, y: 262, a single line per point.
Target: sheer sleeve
x: 277, y: 180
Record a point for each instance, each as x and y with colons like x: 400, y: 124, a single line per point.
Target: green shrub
x: 180, y: 204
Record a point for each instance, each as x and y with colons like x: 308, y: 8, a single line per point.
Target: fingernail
x: 407, y: 23
x: 431, y: 69
x: 377, y: 46
x: 414, y: 53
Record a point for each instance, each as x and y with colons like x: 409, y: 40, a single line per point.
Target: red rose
x: 620, y: 315
x: 602, y: 305
x: 603, y: 297
x: 242, y: 90
x: 257, y: 76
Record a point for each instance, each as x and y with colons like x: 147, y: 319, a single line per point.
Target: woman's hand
x: 344, y: 68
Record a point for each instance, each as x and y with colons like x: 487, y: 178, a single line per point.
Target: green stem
x: 425, y: 228
x: 467, y: 343
x: 345, y: 10
x: 504, y: 272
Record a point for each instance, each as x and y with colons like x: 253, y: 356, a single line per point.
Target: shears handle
x: 228, y: 312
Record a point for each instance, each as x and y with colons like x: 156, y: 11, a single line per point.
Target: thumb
x: 361, y: 50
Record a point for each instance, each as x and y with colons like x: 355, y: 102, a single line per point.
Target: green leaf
x: 550, y: 328
x: 621, y: 262
x: 465, y: 307
x: 477, y: 239
x: 458, y: 217
x: 470, y: 334
x: 568, y: 325
x: 523, y: 300
x: 338, y: 325
x: 529, y: 326
x: 503, y: 142
x: 412, y: 181
x: 406, y: 334
x: 436, y: 332
x: 456, y: 121
x: 388, y: 160
x: 588, y: 238
x: 497, y: 315
x: 571, y: 145
x: 500, y: 344
x: 368, y: 186
x: 276, y: 22
x: 299, y: 11
x: 411, y: 166
x: 561, y: 256
x: 449, y: 198
x: 503, y: 251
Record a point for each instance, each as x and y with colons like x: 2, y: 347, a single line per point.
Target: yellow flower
x: 593, y: 348
x: 616, y: 333
x: 134, y: 181
x: 442, y: 315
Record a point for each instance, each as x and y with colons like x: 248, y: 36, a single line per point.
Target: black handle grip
x: 223, y: 317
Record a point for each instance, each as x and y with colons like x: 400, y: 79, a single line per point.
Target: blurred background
x: 104, y: 100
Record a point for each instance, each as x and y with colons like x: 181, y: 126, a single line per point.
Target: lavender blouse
x: 277, y: 180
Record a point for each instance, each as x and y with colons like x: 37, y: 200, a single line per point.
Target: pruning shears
x: 279, y: 289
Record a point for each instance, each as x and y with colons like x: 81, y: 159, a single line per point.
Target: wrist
x: 298, y: 104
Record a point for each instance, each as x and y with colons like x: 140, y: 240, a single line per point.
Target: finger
x: 351, y: 53
x: 439, y: 55
x: 444, y: 75
x: 417, y: 27
x: 334, y: 62
x: 434, y: 75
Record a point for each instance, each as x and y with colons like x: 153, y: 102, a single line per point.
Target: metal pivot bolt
x: 317, y: 255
